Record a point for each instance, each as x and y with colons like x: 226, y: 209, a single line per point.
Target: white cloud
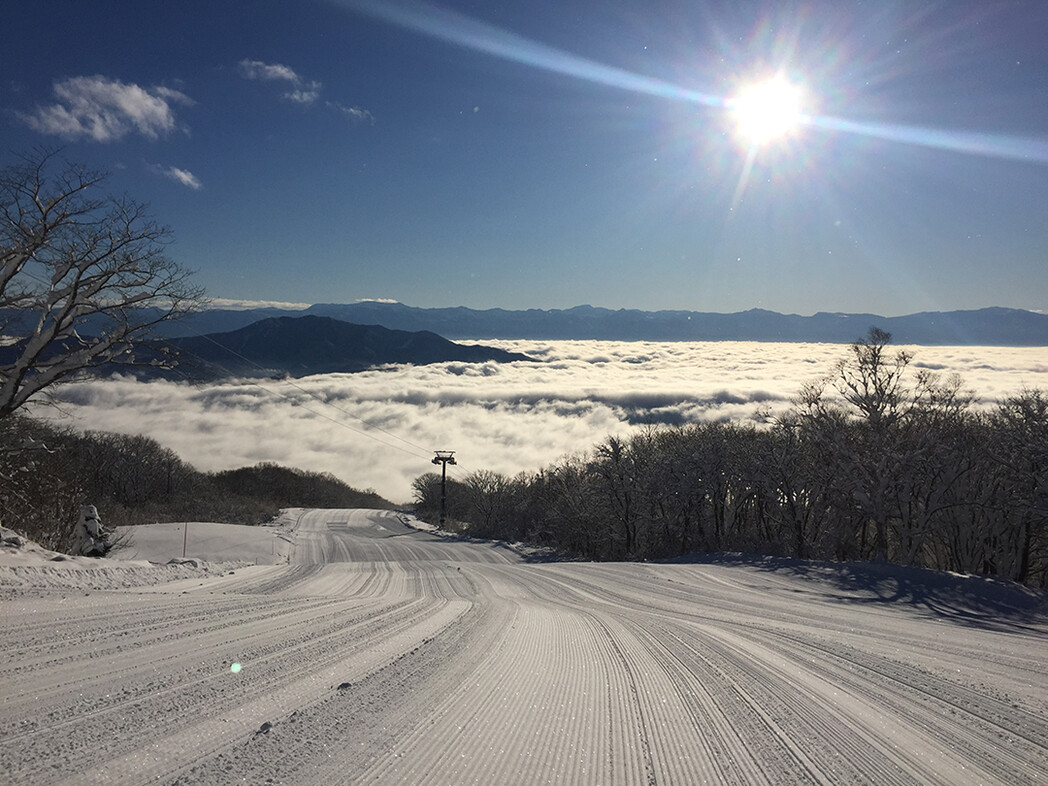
x: 182, y: 176
x: 244, y: 305
x: 305, y: 92
x: 505, y: 417
x: 353, y: 112
x: 301, y: 92
x: 256, y: 69
x: 106, y: 110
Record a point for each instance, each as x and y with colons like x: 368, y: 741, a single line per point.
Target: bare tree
x: 615, y: 467
x: 42, y: 486
x: 489, y: 497
x: 1021, y: 450
x: 82, y: 275
x: 888, y: 441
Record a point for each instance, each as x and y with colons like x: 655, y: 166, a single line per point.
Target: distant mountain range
x: 988, y: 326
x: 294, y: 346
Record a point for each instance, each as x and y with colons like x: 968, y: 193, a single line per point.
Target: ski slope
x: 378, y: 653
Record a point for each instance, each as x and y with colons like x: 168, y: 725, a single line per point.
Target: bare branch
x: 82, y: 277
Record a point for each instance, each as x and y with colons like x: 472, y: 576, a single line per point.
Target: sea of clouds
x: 378, y: 429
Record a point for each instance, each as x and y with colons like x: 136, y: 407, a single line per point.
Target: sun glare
x: 766, y: 111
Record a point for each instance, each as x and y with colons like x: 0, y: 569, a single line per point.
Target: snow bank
x: 157, y: 554
x: 206, y: 540
x: 27, y: 568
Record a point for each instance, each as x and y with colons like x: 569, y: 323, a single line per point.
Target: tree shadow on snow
x: 976, y: 601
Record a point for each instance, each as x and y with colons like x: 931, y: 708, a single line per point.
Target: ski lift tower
x: 444, y: 457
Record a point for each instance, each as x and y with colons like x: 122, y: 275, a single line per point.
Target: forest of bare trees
x: 877, y: 462
x: 48, y: 472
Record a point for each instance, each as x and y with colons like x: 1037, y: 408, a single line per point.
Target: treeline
x: 48, y: 472
x: 868, y: 464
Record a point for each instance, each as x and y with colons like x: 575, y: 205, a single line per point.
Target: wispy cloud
x: 300, y: 91
x: 185, y: 177
x: 353, y: 112
x: 505, y: 417
x: 304, y: 95
x: 106, y: 110
x: 256, y: 69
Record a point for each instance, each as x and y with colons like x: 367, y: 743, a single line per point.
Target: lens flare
x: 454, y: 28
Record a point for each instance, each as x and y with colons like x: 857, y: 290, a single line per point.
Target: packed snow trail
x: 382, y: 654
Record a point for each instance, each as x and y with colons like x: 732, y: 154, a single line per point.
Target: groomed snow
x: 349, y: 647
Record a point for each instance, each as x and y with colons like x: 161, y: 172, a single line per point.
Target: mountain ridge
x: 993, y: 326
x: 286, y: 346
x: 310, y: 344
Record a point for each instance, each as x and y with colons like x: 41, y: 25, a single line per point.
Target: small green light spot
x: 235, y: 668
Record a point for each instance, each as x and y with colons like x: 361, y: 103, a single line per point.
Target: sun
x: 767, y: 111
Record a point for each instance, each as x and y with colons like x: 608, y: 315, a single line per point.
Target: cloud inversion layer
x: 378, y: 428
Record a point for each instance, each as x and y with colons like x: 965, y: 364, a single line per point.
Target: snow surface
x: 370, y: 651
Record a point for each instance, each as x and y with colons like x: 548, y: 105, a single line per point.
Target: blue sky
x: 546, y: 154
